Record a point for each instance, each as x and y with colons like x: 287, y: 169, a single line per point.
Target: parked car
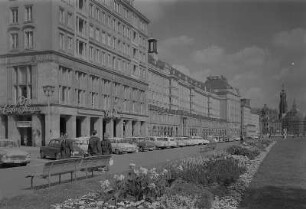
x: 181, y: 141
x: 199, y: 140
x: 143, y: 143
x: 121, y: 145
x: 10, y: 153
x: 160, y: 142
x: 52, y: 150
x: 172, y: 143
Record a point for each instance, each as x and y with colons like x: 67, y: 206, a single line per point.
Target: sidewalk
x: 280, y: 182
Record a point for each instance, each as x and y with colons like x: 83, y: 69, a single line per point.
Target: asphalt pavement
x: 13, y: 181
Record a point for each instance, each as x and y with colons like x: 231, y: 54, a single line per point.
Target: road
x: 13, y: 181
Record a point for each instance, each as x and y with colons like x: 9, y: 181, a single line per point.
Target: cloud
x: 216, y: 58
x: 153, y: 9
x: 169, y: 48
x: 293, y: 39
x: 182, y: 40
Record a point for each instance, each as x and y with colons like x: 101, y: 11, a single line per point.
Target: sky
x: 257, y: 45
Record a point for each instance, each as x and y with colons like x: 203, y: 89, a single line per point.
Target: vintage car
x: 160, y: 142
x: 172, y: 142
x: 181, y: 141
x: 121, y: 145
x: 143, y: 143
x: 52, y: 150
x: 10, y: 153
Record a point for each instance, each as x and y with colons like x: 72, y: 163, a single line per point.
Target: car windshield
x: 7, y: 143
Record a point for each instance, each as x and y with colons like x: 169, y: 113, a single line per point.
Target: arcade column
x: 71, y: 126
x: 119, y: 128
x: 110, y: 127
x: 37, y: 130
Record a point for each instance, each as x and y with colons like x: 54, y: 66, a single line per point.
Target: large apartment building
x: 180, y: 105
x: 71, y: 66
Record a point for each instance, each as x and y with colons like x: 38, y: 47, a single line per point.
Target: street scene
x: 161, y: 104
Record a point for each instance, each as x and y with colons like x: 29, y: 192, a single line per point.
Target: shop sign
x: 24, y: 124
x: 23, y: 106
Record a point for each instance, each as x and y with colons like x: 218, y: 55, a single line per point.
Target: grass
x: 280, y: 182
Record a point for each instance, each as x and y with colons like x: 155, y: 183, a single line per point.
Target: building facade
x: 230, y: 104
x: 180, y: 105
x: 90, y: 56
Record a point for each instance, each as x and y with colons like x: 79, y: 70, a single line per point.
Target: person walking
x: 106, y: 145
x: 66, y: 146
x: 94, y: 147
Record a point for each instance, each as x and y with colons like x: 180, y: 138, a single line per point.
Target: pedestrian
x: 106, y: 145
x: 66, y: 146
x: 94, y: 147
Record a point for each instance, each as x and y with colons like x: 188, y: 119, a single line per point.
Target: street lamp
x: 48, y: 91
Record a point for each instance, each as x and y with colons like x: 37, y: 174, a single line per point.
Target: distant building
x: 293, y: 121
x: 230, y: 109
x: 250, y: 120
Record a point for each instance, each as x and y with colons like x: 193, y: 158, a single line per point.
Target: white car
x: 160, y: 142
x: 172, y: 142
x: 121, y: 145
x: 10, y: 153
x: 181, y: 141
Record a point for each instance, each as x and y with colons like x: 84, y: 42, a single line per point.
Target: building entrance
x: 25, y: 136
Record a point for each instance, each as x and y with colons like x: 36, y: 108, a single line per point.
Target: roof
x: 217, y: 83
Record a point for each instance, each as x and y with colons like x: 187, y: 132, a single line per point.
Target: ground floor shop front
x: 38, y: 128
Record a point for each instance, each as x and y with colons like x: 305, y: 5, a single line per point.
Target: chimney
x: 152, y: 49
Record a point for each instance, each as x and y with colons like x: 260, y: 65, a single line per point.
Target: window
x: 23, y: 82
x: 69, y: 20
x: 81, y: 4
x: 61, y: 16
x: 70, y: 43
x: 14, y: 15
x: 97, y: 34
x: 91, y: 32
x: 28, y: 13
x: 28, y: 39
x: 62, y: 41
x: 81, y: 48
x: 91, y: 53
x: 14, y: 40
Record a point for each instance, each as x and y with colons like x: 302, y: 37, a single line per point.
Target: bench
x: 72, y: 166
x: 209, y: 147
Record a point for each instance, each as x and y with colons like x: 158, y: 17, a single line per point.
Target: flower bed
x: 215, y: 182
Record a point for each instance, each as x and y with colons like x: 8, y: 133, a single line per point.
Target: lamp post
x: 48, y: 91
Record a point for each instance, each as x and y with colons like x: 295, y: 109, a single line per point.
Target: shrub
x: 204, y: 198
x: 221, y: 170
x: 238, y: 150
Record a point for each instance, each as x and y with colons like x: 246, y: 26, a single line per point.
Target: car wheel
x: 42, y: 155
x: 23, y: 164
x: 117, y: 152
x: 58, y: 156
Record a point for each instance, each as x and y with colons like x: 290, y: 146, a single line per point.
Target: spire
x: 282, y: 103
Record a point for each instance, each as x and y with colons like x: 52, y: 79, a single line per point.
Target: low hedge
x: 239, y: 150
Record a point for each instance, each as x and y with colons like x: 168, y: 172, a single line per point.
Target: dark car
x: 143, y: 143
x: 52, y: 150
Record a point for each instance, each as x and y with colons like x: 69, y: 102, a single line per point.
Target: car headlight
x: 4, y: 157
x: 28, y: 156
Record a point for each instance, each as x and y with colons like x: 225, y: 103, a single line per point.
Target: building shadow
x: 271, y: 197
